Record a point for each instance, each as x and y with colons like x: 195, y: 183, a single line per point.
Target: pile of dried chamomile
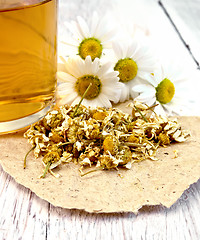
x: 101, y: 138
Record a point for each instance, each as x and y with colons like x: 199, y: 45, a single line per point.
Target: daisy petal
x: 145, y: 95
x: 112, y: 93
x: 151, y: 79
x: 151, y: 102
x: 95, y: 23
x: 83, y: 27
x: 110, y: 86
x: 145, y: 65
x: 73, y: 28
x: 117, y: 49
x: 75, y: 66
x: 159, y: 110
x: 125, y: 93
x: 105, y: 101
x: 70, y: 97
x: 108, y: 36
x: 143, y: 87
x: 97, y: 28
x: 65, y: 77
x: 95, y: 66
x: 132, y: 49
x: 103, y: 69
x: 88, y: 65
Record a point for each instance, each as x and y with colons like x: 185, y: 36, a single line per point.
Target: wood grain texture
x: 185, y: 15
x: 25, y: 216
x: 22, y: 213
x: 164, y: 39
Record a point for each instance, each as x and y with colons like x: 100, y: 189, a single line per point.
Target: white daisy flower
x: 79, y: 74
x: 90, y: 39
x: 167, y: 89
x: 133, y: 63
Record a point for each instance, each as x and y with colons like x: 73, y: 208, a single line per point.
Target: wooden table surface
x: 174, y: 27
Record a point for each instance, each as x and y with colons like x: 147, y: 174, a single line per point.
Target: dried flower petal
x: 101, y: 138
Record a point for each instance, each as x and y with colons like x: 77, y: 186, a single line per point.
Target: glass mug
x: 28, y: 41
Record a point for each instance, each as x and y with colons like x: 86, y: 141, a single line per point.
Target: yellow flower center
x: 90, y: 47
x: 82, y: 84
x: 165, y: 91
x: 127, y: 69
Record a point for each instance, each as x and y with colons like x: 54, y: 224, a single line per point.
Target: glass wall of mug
x: 28, y: 31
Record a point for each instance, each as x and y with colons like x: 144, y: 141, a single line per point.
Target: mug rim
x: 14, y: 8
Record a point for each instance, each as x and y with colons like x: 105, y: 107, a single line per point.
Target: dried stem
x: 27, y: 156
x: 93, y: 170
x: 150, y: 108
x: 46, y: 169
x: 75, y: 111
x: 141, y: 114
x: 130, y: 144
x: 66, y: 143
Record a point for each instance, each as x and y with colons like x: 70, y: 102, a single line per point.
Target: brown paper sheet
x: 147, y: 183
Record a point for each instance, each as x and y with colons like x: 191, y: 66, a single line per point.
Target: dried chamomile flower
x: 53, y: 119
x: 56, y: 137
x: 125, y: 155
x: 100, y: 115
x: 101, y: 139
x: 66, y: 157
x: 110, y: 144
x: 50, y: 160
x: 133, y: 138
x: 163, y: 139
x: 107, y: 161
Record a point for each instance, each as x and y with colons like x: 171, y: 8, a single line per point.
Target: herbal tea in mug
x: 28, y: 60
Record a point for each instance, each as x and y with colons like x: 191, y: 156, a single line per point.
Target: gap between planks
x: 178, y: 32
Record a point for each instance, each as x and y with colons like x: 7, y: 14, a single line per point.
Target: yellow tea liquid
x: 27, y: 58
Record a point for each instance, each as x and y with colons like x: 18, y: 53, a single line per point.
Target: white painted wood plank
x: 163, y: 38
x: 26, y: 216
x: 152, y: 222
x: 186, y: 16
x: 81, y: 225
x: 146, y: 12
x: 23, y: 214
x: 166, y: 43
x: 160, y: 223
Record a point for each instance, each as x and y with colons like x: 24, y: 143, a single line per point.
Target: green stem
x: 141, y: 114
x: 75, y: 111
x: 27, y: 156
x: 46, y: 169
